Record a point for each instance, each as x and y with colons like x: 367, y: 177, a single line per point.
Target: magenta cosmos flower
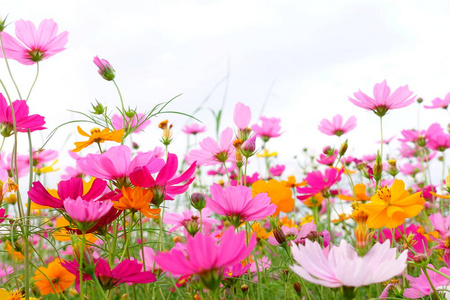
x: 237, y: 203
x: 116, y: 164
x: 269, y: 128
x: 207, y: 258
x: 211, y: 152
x: 24, y: 121
x: 166, y: 185
x: 342, y: 266
x: 420, y: 286
x: 383, y: 100
x: 85, y: 214
x: 242, y: 115
x: 137, y: 123
x: 439, y: 103
x: 337, y: 126
x: 38, y: 43
x: 319, y: 183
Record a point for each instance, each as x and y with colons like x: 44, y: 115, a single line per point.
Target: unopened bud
x: 244, y: 288
x: 419, y: 100
x: 298, y: 288
x: 99, y: 109
x: 105, y: 69
x: 130, y: 113
x: 279, y: 235
x: 3, y: 23
x: 378, y: 167
x: 249, y: 146
x: 420, y: 258
x: 198, y: 201
x: 343, y: 148
x: 327, y: 150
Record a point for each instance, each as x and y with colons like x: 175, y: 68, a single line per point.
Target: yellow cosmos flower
x: 46, y: 169
x: 266, y: 153
x: 98, y: 136
x: 279, y: 194
x: 391, y: 206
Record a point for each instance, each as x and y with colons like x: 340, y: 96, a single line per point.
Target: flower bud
x: 105, y: 69
x: 244, y: 288
x: 99, y: 109
x: 378, y: 167
x: 167, y: 132
x: 343, y: 148
x: 298, y: 288
x: 279, y: 235
x: 198, y: 201
x: 249, y: 146
x: 3, y: 23
x: 192, y: 226
x: 327, y: 149
x: 420, y: 258
x: 419, y: 100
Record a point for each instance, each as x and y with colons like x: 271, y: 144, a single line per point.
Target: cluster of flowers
x: 120, y: 220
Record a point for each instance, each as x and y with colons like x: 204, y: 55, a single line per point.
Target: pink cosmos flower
x: 137, y: 122
x: 439, y: 141
x: 327, y: 160
x: 206, y: 257
x: 148, y: 258
x: 383, y: 100
x: 212, y: 153
x: 5, y: 166
x: 5, y: 270
x: 269, y: 128
x: 410, y: 169
x: 238, y: 204
x: 24, y: 121
x: 86, y: 213
x: 420, y: 137
x: 116, y: 164
x: 337, y: 127
x: 189, y: 220
x: 319, y: 183
x: 242, y: 115
x: 38, y: 43
x: 43, y: 156
x: 194, y: 128
x: 2, y: 215
x: 420, y: 286
x: 277, y: 170
x: 439, y: 103
x: 341, y: 265
x: 128, y: 271
x: 165, y: 186
x: 105, y: 69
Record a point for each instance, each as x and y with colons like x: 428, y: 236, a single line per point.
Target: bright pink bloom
x: 440, y: 103
x: 269, y: 128
x: 189, y: 220
x: 105, y: 69
x: 166, y: 185
x: 242, y: 115
x: 116, y: 164
x: 194, y: 128
x: 148, y: 258
x: 341, y: 265
x: 86, y: 213
x: 327, y: 160
x: 238, y: 204
x: 236, y: 271
x: 24, y: 121
x: 319, y: 183
x: 2, y: 215
x: 137, y: 122
x: 38, y: 44
x: 206, y: 257
x: 5, y: 270
x: 337, y: 127
x: 212, y: 153
x: 439, y: 141
x: 420, y: 286
x: 383, y: 100
x: 420, y: 137
x: 277, y: 170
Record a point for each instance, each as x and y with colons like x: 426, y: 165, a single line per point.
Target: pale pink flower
x: 137, y: 123
x: 189, y: 220
x: 341, y: 265
x: 383, y: 100
x: 5, y: 270
x: 238, y: 204
x: 211, y: 152
x: 337, y: 126
x: 206, y: 257
x: 148, y: 258
x: 242, y: 115
x: 194, y: 128
x: 439, y: 103
x: 420, y: 286
x: 38, y: 43
x: 269, y: 128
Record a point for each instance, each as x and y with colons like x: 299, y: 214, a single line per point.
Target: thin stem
x: 34, y: 82
x: 9, y: 71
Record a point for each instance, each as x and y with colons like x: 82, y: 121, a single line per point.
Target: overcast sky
x: 305, y: 57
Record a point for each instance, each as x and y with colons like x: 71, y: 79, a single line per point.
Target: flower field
x: 125, y: 222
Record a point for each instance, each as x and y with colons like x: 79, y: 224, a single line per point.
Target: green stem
x: 9, y: 70
x: 34, y: 82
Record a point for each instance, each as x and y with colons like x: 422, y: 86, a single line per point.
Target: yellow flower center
x: 95, y: 130
x: 385, y: 195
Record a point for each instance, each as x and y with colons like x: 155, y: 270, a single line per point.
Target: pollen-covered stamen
x: 385, y: 195
x: 95, y: 130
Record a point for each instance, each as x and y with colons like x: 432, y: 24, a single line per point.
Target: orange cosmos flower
x: 137, y: 199
x: 360, y: 193
x: 98, y: 136
x: 59, y: 279
x: 279, y: 194
x: 391, y: 206
x: 292, y: 182
x: 261, y: 233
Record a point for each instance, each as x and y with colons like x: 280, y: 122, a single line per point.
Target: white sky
x: 310, y: 55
